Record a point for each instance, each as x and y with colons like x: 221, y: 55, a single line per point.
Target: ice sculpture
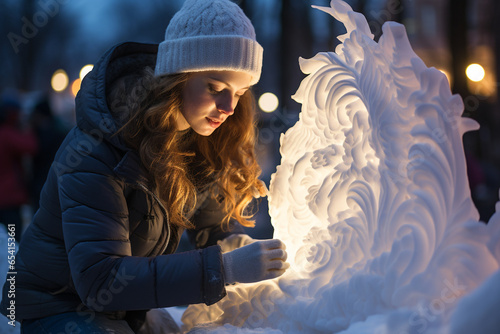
x: 371, y: 199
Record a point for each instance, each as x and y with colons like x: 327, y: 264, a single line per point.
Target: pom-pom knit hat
x: 207, y: 35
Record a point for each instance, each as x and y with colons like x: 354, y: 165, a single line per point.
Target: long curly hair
x: 227, y: 156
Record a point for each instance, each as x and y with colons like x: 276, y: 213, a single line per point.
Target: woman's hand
x: 260, y: 189
x: 234, y: 241
x: 258, y: 261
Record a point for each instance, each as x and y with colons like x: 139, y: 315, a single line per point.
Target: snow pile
x: 372, y: 200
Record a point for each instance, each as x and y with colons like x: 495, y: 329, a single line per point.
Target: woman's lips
x: 214, y: 123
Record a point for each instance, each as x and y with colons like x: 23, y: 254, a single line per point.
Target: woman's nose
x: 226, y: 105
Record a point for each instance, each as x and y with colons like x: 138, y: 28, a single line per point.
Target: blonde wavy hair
x: 227, y: 156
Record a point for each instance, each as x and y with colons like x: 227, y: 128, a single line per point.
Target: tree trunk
x: 296, y: 41
x: 246, y: 6
x: 457, y: 34
x: 28, y: 52
x: 396, y: 9
x: 286, y: 19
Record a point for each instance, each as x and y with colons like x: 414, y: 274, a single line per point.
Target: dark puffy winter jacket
x: 101, y: 238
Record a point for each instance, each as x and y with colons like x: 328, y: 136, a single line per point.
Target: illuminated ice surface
x: 372, y: 200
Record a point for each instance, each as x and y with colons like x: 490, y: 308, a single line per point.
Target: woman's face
x: 209, y: 98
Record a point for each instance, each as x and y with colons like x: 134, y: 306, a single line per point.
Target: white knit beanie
x: 206, y: 35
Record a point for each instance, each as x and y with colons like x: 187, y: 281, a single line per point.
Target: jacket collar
x: 92, y: 111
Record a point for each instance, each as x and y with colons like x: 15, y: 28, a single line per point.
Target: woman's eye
x: 212, y: 89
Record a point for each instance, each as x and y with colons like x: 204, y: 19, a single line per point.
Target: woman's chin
x: 205, y: 132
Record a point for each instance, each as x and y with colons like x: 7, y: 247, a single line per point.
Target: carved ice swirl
x: 371, y: 199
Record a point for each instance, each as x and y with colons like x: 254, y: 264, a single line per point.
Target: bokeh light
x: 59, y: 81
x: 75, y: 86
x: 268, y: 102
x: 475, y: 72
x: 85, y: 70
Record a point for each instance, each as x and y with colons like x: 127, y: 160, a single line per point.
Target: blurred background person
x: 50, y: 133
x: 16, y: 142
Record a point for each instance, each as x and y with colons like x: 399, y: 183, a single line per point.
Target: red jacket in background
x: 14, y: 144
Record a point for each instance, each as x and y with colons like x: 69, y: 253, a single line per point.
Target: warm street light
x: 85, y: 70
x: 475, y: 72
x: 268, y: 102
x: 75, y: 86
x: 59, y: 81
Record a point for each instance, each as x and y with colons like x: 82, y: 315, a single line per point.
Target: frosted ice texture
x: 372, y: 200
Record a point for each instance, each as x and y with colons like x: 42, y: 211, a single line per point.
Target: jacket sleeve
x: 207, y: 220
x: 105, y: 275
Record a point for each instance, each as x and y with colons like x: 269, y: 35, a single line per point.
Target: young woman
x: 163, y: 143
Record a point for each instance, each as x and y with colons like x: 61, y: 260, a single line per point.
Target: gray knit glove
x: 234, y: 241
x: 258, y: 261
